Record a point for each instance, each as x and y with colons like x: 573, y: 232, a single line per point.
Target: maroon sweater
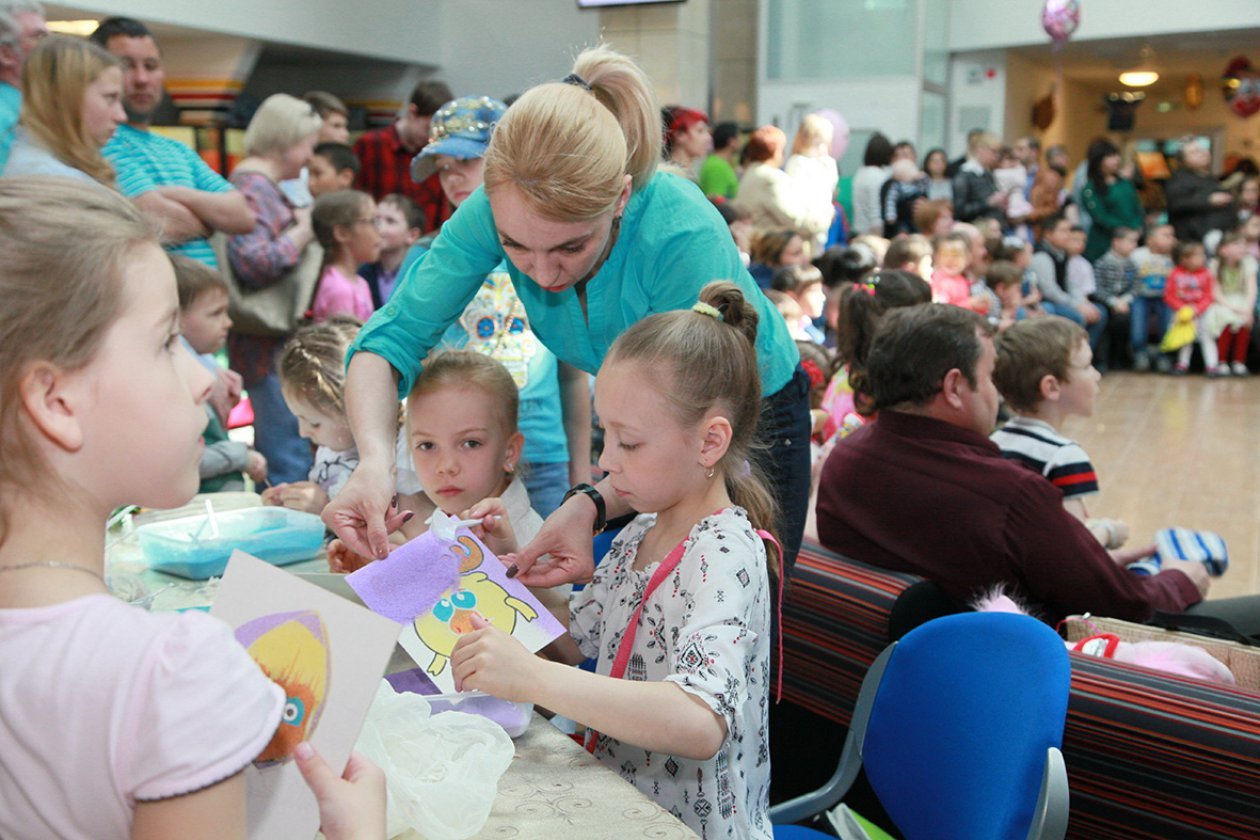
x: 916, y: 494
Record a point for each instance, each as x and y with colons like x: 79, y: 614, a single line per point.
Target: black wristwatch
x: 601, y: 511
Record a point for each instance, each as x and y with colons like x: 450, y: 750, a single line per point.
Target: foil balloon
x: 1060, y: 18
x: 840, y: 131
x: 1241, y: 86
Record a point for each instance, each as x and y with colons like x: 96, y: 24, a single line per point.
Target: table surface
x: 552, y: 790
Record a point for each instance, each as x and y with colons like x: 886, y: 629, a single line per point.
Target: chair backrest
x: 959, y: 729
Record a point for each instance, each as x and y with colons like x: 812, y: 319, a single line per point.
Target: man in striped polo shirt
x: 170, y: 182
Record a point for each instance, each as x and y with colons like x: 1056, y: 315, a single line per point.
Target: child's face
x: 1232, y: 252
x: 951, y: 258
x: 1249, y: 195
x: 335, y: 129
x: 391, y: 224
x: 102, y: 106
x: 652, y: 460
x: 1125, y: 245
x: 812, y: 299
x: 1193, y: 259
x: 362, y: 240
x: 205, y: 322
x: 459, y: 177
x: 794, y: 253
x: 1161, y: 240
x: 460, y: 448
x: 318, y: 425
x: 322, y: 178
x: 143, y: 449
x: 1251, y: 228
x: 1010, y: 295
x: 1078, y: 393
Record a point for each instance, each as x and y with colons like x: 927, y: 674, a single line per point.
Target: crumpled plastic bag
x: 1181, y: 332
x: 442, y: 771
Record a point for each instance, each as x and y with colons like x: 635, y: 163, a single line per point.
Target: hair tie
x: 575, y: 79
x: 816, y: 377
x: 707, y: 309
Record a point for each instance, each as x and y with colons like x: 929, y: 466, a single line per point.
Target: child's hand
x: 342, y: 561
x: 350, y: 807
x: 489, y: 660
x: 299, y: 495
x: 495, y: 529
x: 256, y: 467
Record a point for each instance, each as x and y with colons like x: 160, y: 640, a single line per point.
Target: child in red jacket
x: 1191, y: 284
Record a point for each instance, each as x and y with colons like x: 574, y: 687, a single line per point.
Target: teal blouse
x: 672, y: 242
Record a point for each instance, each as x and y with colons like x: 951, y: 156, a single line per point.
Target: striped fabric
x: 1148, y: 754
x: 1036, y: 445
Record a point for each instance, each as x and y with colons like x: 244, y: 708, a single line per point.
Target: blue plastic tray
x: 186, y: 548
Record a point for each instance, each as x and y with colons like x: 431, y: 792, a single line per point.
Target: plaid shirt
x: 1116, y: 277
x: 385, y: 167
x: 259, y: 258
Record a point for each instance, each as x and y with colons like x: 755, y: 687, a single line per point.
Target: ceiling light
x: 81, y: 28
x: 1143, y: 75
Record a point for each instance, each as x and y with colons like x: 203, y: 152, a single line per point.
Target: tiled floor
x: 1181, y: 451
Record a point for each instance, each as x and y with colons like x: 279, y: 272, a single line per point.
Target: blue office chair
x: 959, y: 726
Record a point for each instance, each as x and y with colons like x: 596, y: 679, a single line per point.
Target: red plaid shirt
x: 385, y: 167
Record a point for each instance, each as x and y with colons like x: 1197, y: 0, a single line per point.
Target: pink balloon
x: 839, y: 131
x: 1060, y: 18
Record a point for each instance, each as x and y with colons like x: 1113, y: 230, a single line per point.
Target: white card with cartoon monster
x: 439, y: 613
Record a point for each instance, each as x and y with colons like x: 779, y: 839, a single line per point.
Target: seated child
x: 803, y: 283
x: 913, y: 253
x: 1154, y: 263
x: 787, y: 306
x: 312, y: 372
x: 1190, y: 284
x: 345, y: 226
x: 1232, y: 315
x: 1005, y: 280
x: 950, y: 284
x: 333, y: 167
x: 204, y: 325
x: 400, y: 222
x: 1045, y: 374
x: 116, y: 722
x: 1082, y: 285
x: 680, y: 707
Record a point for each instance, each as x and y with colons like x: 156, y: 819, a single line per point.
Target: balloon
x: 1060, y: 18
x: 1241, y: 85
x: 839, y: 131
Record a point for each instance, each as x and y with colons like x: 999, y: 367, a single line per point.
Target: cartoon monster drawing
x: 451, y: 616
x: 292, y: 650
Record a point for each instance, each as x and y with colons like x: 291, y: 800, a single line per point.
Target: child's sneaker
x: 1141, y: 363
x: 1217, y: 371
x: 1180, y: 370
x: 1240, y: 369
x: 1163, y: 364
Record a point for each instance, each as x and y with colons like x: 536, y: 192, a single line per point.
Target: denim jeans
x: 1095, y: 329
x: 783, y: 434
x: 1141, y: 310
x: 546, y: 485
x: 276, y: 435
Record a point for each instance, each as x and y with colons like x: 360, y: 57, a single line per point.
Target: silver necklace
x: 53, y: 564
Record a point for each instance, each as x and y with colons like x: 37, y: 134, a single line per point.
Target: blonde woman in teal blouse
x: 595, y: 239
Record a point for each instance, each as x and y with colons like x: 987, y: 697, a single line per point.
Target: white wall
x: 977, y: 25
x: 977, y: 85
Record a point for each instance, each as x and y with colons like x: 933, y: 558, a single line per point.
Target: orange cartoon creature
x: 292, y: 650
x: 475, y: 594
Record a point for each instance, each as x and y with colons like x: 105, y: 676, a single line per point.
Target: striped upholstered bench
x: 1148, y: 754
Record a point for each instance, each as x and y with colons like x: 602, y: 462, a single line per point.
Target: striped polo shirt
x: 1036, y: 445
x: 144, y: 161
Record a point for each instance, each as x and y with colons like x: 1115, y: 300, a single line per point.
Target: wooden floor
x: 1180, y: 451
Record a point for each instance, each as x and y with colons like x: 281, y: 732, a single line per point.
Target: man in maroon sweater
x: 922, y: 489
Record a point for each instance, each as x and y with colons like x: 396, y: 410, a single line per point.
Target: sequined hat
x: 461, y: 129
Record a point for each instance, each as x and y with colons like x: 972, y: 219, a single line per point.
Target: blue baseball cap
x: 460, y: 129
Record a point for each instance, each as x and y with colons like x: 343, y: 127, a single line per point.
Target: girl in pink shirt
x: 114, y: 722
x: 950, y: 256
x: 345, y: 225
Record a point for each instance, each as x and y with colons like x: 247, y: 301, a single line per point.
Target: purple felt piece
x: 414, y: 681
x: 408, y: 582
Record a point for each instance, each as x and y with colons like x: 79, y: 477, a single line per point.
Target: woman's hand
x: 562, y: 551
x: 298, y: 495
x: 362, y: 513
x: 489, y: 660
x: 495, y: 529
x: 352, y: 807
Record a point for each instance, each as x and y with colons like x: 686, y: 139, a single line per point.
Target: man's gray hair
x: 10, y: 31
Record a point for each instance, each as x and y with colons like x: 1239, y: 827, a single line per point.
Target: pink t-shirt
x: 950, y: 288
x: 341, y: 295
x: 103, y: 704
